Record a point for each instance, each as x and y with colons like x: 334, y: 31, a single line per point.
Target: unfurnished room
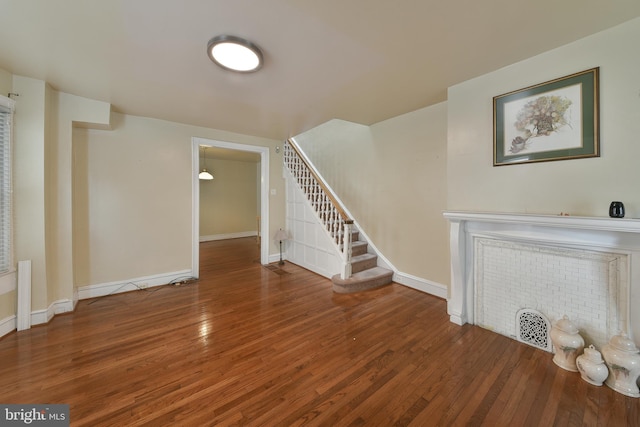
x: 336, y: 213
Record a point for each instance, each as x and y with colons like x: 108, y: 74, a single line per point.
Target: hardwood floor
x: 258, y: 346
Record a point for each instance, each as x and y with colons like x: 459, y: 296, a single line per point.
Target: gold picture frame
x: 554, y: 120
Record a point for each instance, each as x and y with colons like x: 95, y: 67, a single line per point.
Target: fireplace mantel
x: 624, y: 225
x: 620, y: 235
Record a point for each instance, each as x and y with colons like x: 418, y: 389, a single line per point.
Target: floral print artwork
x: 540, y: 117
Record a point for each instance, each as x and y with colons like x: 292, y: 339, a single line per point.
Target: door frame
x: 196, y: 142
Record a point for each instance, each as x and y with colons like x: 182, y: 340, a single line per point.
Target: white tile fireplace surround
x: 585, y: 268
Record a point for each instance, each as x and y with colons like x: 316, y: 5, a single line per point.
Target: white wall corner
x: 40, y: 317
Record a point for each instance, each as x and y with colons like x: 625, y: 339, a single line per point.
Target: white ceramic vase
x: 591, y: 366
x: 623, y: 360
x: 567, y: 344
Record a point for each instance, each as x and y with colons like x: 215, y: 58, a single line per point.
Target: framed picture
x: 555, y: 120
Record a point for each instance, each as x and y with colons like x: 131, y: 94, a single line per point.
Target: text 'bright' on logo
x: 54, y: 415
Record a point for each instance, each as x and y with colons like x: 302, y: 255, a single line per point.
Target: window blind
x: 6, y: 211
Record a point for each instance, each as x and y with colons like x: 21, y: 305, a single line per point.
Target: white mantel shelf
x: 600, y: 234
x: 625, y: 225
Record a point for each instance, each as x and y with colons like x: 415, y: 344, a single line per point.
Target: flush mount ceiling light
x: 235, y: 53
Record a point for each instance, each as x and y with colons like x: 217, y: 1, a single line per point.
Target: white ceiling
x: 357, y: 60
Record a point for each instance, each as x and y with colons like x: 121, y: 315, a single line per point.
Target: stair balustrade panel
x: 321, y: 202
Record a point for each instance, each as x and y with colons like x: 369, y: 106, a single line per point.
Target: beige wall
x: 372, y: 166
x: 580, y: 187
x: 7, y: 300
x: 42, y: 184
x: 133, y: 201
x: 391, y: 175
x: 29, y: 183
x: 392, y: 178
x: 6, y: 84
x: 229, y: 202
x: 412, y: 191
x: 137, y: 187
x: 86, y: 211
x: 66, y: 111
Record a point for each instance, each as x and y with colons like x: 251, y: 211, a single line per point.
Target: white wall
x: 64, y: 111
x: 29, y: 183
x: 309, y: 244
x: 391, y: 176
x: 397, y: 176
x: 137, y: 186
x: 579, y: 187
x: 412, y: 191
x: 8, y: 299
x: 386, y: 173
x: 138, y: 199
x: 85, y: 209
x: 42, y: 188
x: 6, y: 85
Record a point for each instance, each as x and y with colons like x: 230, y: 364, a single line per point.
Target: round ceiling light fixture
x: 235, y: 53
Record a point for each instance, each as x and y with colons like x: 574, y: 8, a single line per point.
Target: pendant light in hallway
x: 204, y: 173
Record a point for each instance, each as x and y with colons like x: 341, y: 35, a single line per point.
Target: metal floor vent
x: 532, y: 327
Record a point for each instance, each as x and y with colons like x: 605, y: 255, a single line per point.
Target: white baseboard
x: 423, y: 285
x: 433, y: 288
x: 276, y: 258
x: 228, y: 236
x: 102, y: 289
x: 427, y: 286
x: 39, y: 317
x: 7, y: 325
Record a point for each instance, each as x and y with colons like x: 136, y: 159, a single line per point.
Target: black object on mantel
x: 616, y: 210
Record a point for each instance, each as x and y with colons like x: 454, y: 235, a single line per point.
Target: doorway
x: 196, y: 142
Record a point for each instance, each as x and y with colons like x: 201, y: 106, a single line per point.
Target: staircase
x: 365, y: 273
x: 360, y: 271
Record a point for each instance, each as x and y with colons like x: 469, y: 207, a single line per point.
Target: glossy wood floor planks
x: 257, y: 346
